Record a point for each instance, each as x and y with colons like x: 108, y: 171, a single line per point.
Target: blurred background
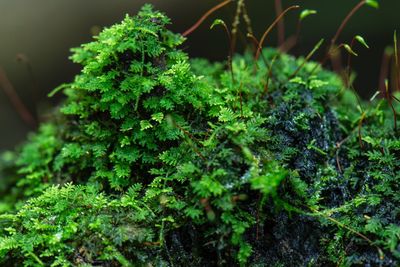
x: 36, y: 37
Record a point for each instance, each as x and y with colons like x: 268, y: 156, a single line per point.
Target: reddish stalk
x: 255, y: 42
x: 293, y: 40
x: 389, y: 99
x: 396, y: 57
x: 16, y: 101
x: 230, y: 44
x: 346, y: 20
x: 257, y: 46
x: 359, y: 130
x: 289, y: 43
x: 281, y: 23
x: 340, y: 29
x: 387, y: 55
x: 298, y: 30
x: 336, y: 60
x: 205, y: 16
x: 25, y: 60
x: 266, y: 87
x: 271, y: 27
x: 332, y: 54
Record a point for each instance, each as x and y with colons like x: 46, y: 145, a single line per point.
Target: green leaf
x: 372, y: 3
x: 350, y: 50
x: 244, y: 252
x: 158, y: 117
x: 218, y: 22
x: 361, y: 40
x: 145, y: 124
x: 306, y: 12
x: 226, y: 115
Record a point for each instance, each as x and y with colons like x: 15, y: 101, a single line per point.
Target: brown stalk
x: 389, y: 99
x: 15, y: 100
x: 336, y: 60
x: 204, y: 17
x: 271, y: 27
x: 266, y: 87
x: 230, y: 54
x: 346, y: 20
x: 281, y: 23
x: 295, y: 38
x: 22, y: 58
x: 289, y: 43
x: 396, y: 57
x: 257, y: 46
x: 298, y: 30
x: 341, y: 28
x: 332, y: 54
x: 387, y: 55
x: 359, y: 130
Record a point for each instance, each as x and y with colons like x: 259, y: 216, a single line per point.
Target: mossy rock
x: 155, y: 159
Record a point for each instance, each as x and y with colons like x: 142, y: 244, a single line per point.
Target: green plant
x: 155, y: 159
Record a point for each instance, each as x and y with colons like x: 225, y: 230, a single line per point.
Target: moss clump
x: 158, y: 160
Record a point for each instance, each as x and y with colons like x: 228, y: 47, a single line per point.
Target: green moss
x: 158, y: 160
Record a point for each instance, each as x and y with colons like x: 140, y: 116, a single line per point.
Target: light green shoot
x: 361, y: 40
x: 350, y: 50
x: 218, y: 22
x: 306, y: 12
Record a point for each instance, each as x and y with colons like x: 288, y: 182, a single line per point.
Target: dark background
x: 43, y: 31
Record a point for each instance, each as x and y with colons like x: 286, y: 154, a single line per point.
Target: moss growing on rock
x: 158, y: 160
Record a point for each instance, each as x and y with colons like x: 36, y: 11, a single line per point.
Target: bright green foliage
x: 132, y: 78
x: 306, y: 13
x: 156, y: 160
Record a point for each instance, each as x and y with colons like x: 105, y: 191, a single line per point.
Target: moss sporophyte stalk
x: 157, y: 159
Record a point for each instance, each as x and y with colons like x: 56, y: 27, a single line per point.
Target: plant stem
x: 346, y: 20
x: 206, y: 15
x: 271, y: 27
x: 281, y: 23
x: 15, y: 100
